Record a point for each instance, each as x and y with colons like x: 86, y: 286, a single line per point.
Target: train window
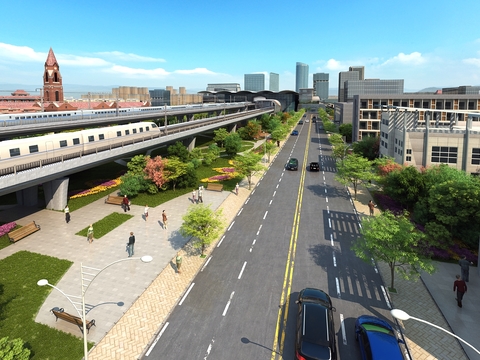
x: 101, y: 137
x: 33, y: 149
x: 141, y: 129
x: 15, y: 152
x: 147, y: 128
x: 63, y: 143
x: 127, y: 132
x: 76, y: 141
x: 119, y: 133
x: 91, y: 138
x: 134, y: 131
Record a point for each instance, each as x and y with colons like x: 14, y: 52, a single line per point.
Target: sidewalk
x: 432, y: 299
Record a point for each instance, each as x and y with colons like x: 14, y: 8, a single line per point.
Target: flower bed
x: 226, y: 173
x: 97, y: 186
x: 6, y: 228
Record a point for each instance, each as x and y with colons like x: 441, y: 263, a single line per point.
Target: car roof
x: 315, y: 295
x: 315, y: 324
x: 382, y: 339
x: 292, y: 160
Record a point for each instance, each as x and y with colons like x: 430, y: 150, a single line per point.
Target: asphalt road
x: 294, y: 231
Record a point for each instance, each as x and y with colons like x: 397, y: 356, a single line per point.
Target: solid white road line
x: 223, y: 237
x: 233, y: 222
x: 206, y: 263
x: 241, y: 271
x: 331, y: 239
x: 334, y: 260
x: 344, y: 333
x: 157, y: 338
x: 209, y: 349
x: 260, y: 228
x: 228, y: 304
x: 186, y: 294
x: 240, y: 211
x: 338, y: 288
x: 264, y: 216
x: 386, y: 297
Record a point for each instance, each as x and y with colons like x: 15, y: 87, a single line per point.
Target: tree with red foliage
x: 386, y: 165
x: 155, y: 170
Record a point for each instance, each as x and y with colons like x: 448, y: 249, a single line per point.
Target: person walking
x: 90, y: 234
x: 194, y: 193
x: 164, y: 219
x: 236, y: 189
x: 67, y: 214
x: 145, y: 212
x: 178, y: 260
x: 131, y: 244
x: 371, y: 206
x: 461, y: 287
x: 465, y: 268
x: 200, y: 194
x: 126, y: 203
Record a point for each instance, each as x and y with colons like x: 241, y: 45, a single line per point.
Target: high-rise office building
x: 301, y: 76
x: 254, y: 82
x: 274, y: 82
x: 223, y: 87
x: 342, y: 77
x: 360, y: 70
x: 320, y: 84
x: 372, y: 87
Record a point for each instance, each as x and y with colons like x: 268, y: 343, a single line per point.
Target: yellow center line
x: 289, y: 266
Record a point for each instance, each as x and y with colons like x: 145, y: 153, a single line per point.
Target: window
x: 91, y: 138
x: 119, y: 133
x: 141, y: 129
x: 63, y: 143
x: 33, y: 149
x: 147, y: 128
x: 476, y: 156
x: 408, y: 158
x: 134, y: 131
x: 444, y: 154
x: 101, y: 137
x: 15, y: 152
x: 409, y: 151
x: 76, y: 141
x: 127, y: 132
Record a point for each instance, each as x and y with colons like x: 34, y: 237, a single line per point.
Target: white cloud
x: 81, y: 61
x: 415, y: 58
x: 118, y: 55
x: 200, y: 71
x: 20, y: 53
x: 137, y: 72
x: 333, y: 64
x: 472, y: 61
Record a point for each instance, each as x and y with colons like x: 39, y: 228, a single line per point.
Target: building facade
x: 321, y: 85
x: 371, y: 87
x: 223, y: 87
x: 274, y: 82
x: 344, y: 76
x: 301, y: 76
x: 52, y: 79
x: 360, y: 70
x: 424, y: 138
x: 254, y: 82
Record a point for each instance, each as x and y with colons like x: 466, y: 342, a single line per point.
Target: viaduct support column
x: 56, y: 193
x: 190, y: 143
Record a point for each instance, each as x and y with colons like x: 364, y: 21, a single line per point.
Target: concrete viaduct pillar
x: 190, y: 143
x: 56, y: 193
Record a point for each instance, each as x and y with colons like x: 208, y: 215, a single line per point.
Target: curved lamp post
x: 87, y: 279
x: 402, y: 315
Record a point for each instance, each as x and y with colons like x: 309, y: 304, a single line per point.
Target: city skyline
x: 102, y: 45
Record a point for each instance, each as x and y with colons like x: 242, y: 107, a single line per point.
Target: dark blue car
x: 377, y: 339
x: 295, y: 132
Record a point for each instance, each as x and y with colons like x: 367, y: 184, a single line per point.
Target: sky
x: 158, y: 43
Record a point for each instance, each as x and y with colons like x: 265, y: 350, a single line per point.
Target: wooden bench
x: 214, y: 187
x: 20, y: 233
x: 114, y: 200
x: 59, y: 313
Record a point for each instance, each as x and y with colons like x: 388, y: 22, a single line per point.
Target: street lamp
x: 87, y: 279
x: 41, y: 97
x: 402, y: 315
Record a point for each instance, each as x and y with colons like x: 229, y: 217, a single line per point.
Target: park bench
x: 114, y: 200
x: 214, y: 187
x: 60, y: 313
x: 20, y: 233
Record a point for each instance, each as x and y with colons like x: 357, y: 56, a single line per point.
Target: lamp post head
x: 399, y: 314
x: 42, y: 282
x: 146, y: 258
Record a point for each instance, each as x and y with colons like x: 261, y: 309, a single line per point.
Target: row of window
x: 444, y: 154
x: 76, y: 141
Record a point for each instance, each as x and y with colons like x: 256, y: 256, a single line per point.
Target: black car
x: 300, y: 122
x: 314, y: 166
x: 292, y: 164
x: 315, y: 332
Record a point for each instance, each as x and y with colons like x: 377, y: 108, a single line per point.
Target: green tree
x: 406, y: 186
x: 368, y: 147
x: 220, y: 136
x: 340, y: 151
x: 233, y: 144
x: 137, y: 164
x: 180, y: 151
x: 346, y: 130
x: 203, y: 224
x: 211, y: 155
x: 173, y: 170
x: 251, y: 131
x: 189, y: 179
x: 354, y: 169
x: 394, y: 240
x: 269, y: 148
x: 247, y: 165
x: 13, y: 349
x: 133, y: 184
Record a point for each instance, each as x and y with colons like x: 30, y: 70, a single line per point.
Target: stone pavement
x: 132, y: 301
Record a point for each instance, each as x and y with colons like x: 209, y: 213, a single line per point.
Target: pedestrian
x: 178, y: 260
x: 90, y: 234
x: 461, y: 287
x: 278, y: 143
x: 67, y: 214
x: 200, y: 194
x: 236, y: 189
x: 145, y: 212
x: 372, y: 207
x: 465, y: 268
x: 194, y: 193
x: 164, y: 219
x: 126, y: 203
x: 131, y: 244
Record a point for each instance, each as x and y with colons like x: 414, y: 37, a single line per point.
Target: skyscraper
x: 342, y: 77
x: 254, y: 82
x: 274, y: 82
x: 321, y: 84
x: 360, y: 70
x: 301, y: 78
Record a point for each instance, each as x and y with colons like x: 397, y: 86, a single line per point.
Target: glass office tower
x: 301, y: 78
x: 274, y: 82
x: 254, y: 82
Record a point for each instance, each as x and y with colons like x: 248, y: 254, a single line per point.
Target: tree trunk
x: 392, y: 274
x: 249, y: 177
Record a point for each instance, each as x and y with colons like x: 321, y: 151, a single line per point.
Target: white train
x: 22, y: 154
x: 44, y: 117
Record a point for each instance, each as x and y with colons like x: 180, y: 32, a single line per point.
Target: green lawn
x: 20, y: 301
x: 105, y: 225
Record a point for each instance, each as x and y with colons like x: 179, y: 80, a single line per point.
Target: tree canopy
x: 354, y: 170
x: 233, y: 144
x: 220, y: 136
x: 247, y: 165
x: 179, y: 150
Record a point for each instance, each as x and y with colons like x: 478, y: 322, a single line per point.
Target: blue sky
x: 192, y: 43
